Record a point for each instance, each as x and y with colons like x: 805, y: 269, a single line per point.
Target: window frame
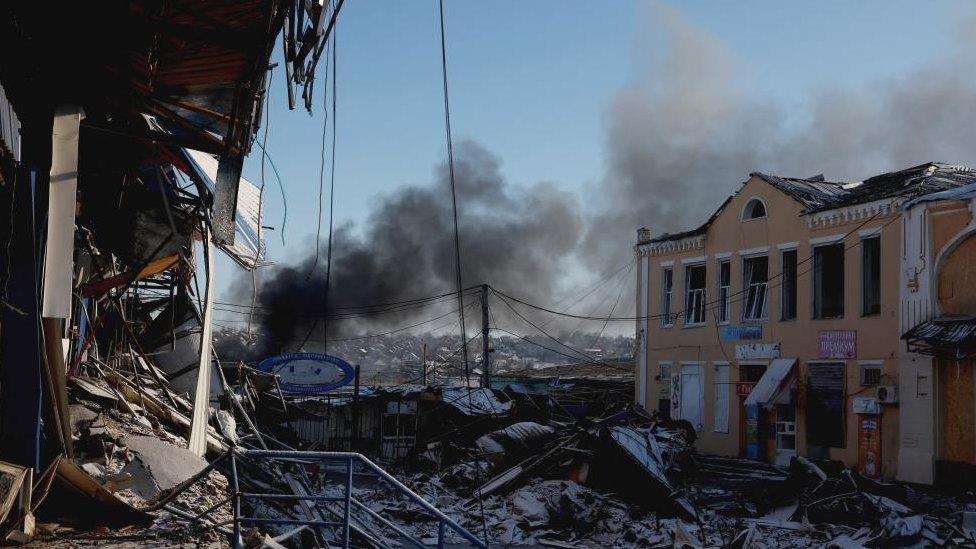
x: 702, y: 291
x: 747, y: 290
x: 876, y: 238
x: 747, y: 208
x: 667, y: 295
x: 864, y: 365
x: 816, y: 270
x: 661, y: 365
x: 724, y: 292
x: 783, y: 286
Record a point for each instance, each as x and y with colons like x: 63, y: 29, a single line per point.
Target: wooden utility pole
x: 485, y: 342
x: 423, y: 365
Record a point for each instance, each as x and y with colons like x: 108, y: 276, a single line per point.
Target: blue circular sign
x: 309, y: 373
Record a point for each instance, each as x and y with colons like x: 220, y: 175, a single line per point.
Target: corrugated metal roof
x: 950, y: 336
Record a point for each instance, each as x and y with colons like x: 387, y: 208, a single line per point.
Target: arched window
x: 754, y: 209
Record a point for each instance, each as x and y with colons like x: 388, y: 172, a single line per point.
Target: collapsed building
x: 123, y: 130
x: 822, y: 319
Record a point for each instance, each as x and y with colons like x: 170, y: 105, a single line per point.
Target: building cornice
x: 852, y: 213
x: 671, y: 246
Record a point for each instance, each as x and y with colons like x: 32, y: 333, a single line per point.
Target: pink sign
x: 838, y: 344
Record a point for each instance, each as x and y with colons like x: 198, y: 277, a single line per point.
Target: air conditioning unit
x: 886, y: 394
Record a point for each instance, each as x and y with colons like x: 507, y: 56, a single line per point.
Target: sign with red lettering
x: 743, y: 388
x: 869, y: 445
x: 837, y: 344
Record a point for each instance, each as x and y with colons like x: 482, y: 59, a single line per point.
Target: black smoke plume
x: 511, y: 235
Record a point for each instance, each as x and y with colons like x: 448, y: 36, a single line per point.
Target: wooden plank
x: 958, y: 436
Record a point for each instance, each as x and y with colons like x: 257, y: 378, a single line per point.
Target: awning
x: 248, y: 247
x: 774, y: 386
x: 947, y: 336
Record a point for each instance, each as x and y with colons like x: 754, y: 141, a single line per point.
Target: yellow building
x: 776, y: 327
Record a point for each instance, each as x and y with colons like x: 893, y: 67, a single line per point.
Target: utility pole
x: 485, y: 360
x: 423, y: 365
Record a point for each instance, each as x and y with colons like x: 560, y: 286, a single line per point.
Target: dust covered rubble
x: 137, y: 461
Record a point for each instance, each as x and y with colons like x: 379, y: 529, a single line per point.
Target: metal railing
x: 345, y: 498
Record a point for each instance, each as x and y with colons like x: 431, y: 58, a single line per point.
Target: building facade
x: 776, y: 328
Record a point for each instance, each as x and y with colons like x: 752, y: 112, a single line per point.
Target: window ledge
x: 828, y: 317
x: 694, y: 325
x: 665, y: 326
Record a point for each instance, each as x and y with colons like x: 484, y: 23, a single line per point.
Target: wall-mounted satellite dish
x: 309, y: 373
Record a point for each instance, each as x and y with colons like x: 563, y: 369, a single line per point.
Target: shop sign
x: 866, y: 405
x: 732, y: 333
x: 744, y: 351
x: 743, y: 388
x: 869, y: 445
x: 837, y: 343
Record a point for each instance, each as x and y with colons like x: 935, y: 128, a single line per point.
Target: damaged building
x: 822, y: 319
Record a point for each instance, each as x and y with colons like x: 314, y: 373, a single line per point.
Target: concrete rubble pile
x: 131, y: 477
x: 632, y: 481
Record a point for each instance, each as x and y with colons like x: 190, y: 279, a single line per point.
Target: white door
x: 721, y: 398
x: 691, y: 394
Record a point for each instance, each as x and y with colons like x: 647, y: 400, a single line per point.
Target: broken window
x: 724, y: 290
x: 666, y: 287
x: 788, y: 287
x: 871, y: 276
x: 755, y: 274
x: 754, y: 209
x: 825, y: 404
x: 828, y: 281
x: 694, y: 294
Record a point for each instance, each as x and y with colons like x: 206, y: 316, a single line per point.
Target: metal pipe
x: 346, y: 505
x: 387, y: 523
x: 237, y: 542
x: 324, y: 456
x: 179, y: 489
x: 256, y: 520
x: 291, y: 497
x: 440, y: 535
x: 214, y: 506
x: 183, y: 514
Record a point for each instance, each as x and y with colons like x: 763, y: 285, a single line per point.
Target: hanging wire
x: 457, y: 250
x: 264, y: 144
x: 328, y: 260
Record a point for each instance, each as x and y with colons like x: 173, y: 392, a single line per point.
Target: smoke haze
x: 679, y: 137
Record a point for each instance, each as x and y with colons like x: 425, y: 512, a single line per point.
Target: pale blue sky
x: 531, y: 81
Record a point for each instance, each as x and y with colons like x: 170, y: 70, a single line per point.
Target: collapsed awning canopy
x: 248, y: 247
x: 946, y: 336
x: 774, y: 387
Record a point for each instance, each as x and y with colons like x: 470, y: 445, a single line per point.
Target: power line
x: 592, y: 289
x: 267, y: 126
x: 328, y: 261
x: 369, y: 306
x: 325, y: 130
x: 344, y: 314
x: 553, y: 338
x: 457, y: 240
x: 681, y: 311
